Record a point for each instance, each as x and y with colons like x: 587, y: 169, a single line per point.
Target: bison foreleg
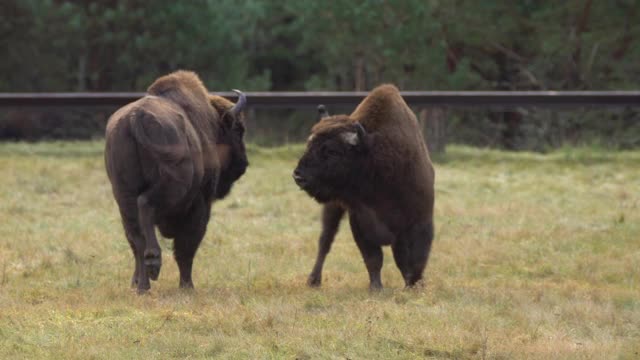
x: 331, y: 216
x: 188, y: 240
x: 371, y: 251
x: 400, y: 251
x: 411, y: 252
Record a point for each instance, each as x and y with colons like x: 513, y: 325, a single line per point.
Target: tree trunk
x: 433, y: 124
x: 82, y: 73
x: 360, y: 74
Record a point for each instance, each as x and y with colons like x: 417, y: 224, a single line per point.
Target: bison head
x: 334, y: 159
x: 230, y: 142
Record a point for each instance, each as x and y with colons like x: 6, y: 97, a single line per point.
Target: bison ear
x: 356, y: 137
x: 364, y: 140
x: 350, y: 138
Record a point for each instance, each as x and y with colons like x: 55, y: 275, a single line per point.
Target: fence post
x: 433, y: 123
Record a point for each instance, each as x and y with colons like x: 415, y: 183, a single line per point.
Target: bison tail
x: 161, y: 139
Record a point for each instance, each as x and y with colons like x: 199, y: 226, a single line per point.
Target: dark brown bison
x: 168, y: 156
x: 373, y: 164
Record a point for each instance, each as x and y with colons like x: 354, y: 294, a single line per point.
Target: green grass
x: 535, y: 257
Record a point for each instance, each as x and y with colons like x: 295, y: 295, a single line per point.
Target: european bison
x: 168, y: 156
x: 373, y: 164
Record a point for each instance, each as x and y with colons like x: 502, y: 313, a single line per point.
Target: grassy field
x: 535, y: 257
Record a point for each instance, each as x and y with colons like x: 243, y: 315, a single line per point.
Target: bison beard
x: 374, y: 165
x: 168, y: 156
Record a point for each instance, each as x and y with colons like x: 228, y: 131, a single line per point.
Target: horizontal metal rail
x: 503, y: 99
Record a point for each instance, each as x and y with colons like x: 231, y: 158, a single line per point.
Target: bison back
x: 400, y: 154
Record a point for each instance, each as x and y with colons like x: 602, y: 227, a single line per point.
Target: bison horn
x: 240, y: 104
x: 361, y: 131
x: 322, y: 111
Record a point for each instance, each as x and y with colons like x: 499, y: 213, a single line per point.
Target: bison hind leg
x: 136, y: 272
x: 129, y: 215
x: 152, y: 254
x: 188, y: 238
x: 135, y: 242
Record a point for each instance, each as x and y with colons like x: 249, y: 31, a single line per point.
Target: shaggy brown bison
x: 168, y: 156
x: 373, y: 164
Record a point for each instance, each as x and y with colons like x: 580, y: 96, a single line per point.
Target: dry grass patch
x: 536, y: 257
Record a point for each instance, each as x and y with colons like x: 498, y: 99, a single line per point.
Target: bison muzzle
x: 374, y: 165
x: 168, y: 156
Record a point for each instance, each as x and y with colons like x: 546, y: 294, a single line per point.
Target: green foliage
x: 104, y: 46
x: 342, y: 44
x: 56, y: 45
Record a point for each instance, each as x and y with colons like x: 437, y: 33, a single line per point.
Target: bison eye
x: 331, y: 152
x: 238, y: 129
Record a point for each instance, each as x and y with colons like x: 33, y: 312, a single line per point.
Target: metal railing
x: 501, y: 99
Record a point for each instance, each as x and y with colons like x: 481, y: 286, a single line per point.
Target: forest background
x: 339, y: 45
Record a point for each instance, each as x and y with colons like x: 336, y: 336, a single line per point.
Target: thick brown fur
x: 168, y: 156
x: 374, y: 165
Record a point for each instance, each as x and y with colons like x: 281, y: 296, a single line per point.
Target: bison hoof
x: 187, y: 285
x: 153, y: 269
x: 142, y: 291
x: 314, y: 280
x: 416, y: 284
x: 152, y: 263
x: 375, y: 287
x: 413, y: 281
